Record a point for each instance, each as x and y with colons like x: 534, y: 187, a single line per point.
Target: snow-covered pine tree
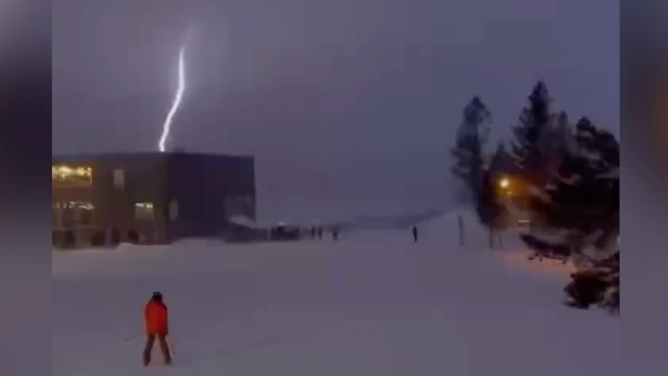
x: 580, y: 208
x: 530, y: 149
x: 468, y: 151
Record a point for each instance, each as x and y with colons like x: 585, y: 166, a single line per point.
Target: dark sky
x: 341, y: 102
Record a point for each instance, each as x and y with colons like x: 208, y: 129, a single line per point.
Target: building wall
x: 201, y: 185
x: 118, y: 183
x: 190, y: 194
x: 141, y: 182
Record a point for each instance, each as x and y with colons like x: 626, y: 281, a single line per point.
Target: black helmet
x: 157, y: 295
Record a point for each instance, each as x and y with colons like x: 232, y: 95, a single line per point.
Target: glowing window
x: 72, y: 214
x: 85, y: 214
x: 144, y: 211
x: 119, y: 178
x: 68, y: 176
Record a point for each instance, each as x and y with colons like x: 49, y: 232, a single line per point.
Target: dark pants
x: 164, y: 348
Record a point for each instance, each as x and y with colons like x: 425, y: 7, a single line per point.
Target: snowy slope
x: 372, y: 304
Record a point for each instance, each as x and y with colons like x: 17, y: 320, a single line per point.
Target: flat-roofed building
x: 153, y: 197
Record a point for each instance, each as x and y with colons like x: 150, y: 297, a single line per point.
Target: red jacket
x: 155, y: 316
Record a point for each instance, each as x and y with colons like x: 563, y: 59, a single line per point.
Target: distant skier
x: 320, y: 233
x: 156, y: 322
x: 335, y: 234
x: 415, y: 234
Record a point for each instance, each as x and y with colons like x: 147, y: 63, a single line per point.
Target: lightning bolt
x: 166, y: 127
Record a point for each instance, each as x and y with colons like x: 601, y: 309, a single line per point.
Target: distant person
x: 313, y: 233
x: 320, y: 233
x: 157, y: 326
x: 415, y: 234
x: 335, y: 234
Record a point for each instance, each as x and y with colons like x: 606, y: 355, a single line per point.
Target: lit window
x: 72, y: 214
x: 68, y: 176
x: 85, y: 214
x: 144, y: 211
x: 119, y: 178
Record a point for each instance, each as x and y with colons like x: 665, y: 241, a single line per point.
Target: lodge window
x: 68, y: 176
x: 85, y: 215
x: 144, y: 211
x: 72, y: 214
x: 119, y: 178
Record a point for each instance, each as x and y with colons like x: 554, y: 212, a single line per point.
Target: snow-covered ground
x: 373, y: 303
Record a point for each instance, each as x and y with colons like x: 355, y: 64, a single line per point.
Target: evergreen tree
x: 468, y: 151
x: 559, y: 141
x: 501, y: 160
x: 530, y: 150
x: 580, y: 205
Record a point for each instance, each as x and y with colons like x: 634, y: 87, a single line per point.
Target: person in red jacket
x: 155, y: 319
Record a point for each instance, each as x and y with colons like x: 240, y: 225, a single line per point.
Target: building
x: 148, y: 197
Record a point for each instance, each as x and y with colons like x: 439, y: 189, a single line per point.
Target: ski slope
x: 373, y: 303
